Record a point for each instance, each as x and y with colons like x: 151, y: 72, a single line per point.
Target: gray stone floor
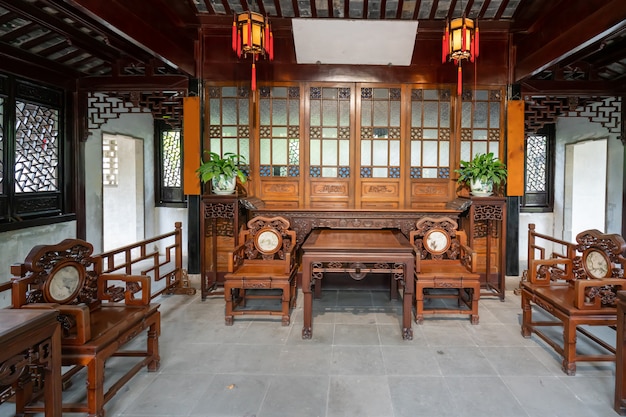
x: 356, y: 365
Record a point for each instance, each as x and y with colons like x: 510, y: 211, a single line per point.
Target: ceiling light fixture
x: 460, y: 41
x: 252, y: 34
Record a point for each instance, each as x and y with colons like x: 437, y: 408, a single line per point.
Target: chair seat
x: 260, y: 271
x: 455, y: 271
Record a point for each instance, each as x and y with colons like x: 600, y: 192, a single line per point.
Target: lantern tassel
x: 476, y: 40
x: 234, y: 34
x: 238, y: 44
x: 459, y: 87
x: 266, y: 38
x: 253, y: 87
x: 271, y: 46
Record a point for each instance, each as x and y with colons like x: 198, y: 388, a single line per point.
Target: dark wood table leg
x: 307, y: 329
x: 407, y: 300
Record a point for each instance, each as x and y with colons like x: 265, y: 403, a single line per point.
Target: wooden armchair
x: 445, y: 267
x: 577, y: 285
x: 264, y: 260
x: 99, y: 314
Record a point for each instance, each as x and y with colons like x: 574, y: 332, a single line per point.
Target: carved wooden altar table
x: 29, y: 339
x: 358, y: 253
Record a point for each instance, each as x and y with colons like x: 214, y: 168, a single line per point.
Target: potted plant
x: 222, y: 171
x: 482, y: 173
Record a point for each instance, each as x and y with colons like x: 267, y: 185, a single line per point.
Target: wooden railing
x: 160, y: 257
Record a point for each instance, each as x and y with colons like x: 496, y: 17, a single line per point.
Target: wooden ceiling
x: 557, y: 45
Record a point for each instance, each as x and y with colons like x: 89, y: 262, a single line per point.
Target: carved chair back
x: 601, y: 261
x: 64, y: 274
x: 439, y: 240
x: 267, y: 240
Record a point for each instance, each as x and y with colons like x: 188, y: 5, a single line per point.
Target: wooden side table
x: 221, y: 219
x: 30, y: 337
x: 486, y: 232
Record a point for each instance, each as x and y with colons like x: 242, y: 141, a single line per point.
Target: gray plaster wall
x: 16, y: 244
x: 572, y: 130
x: 157, y: 220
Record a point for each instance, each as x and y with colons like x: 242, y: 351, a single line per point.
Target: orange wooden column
x: 515, y: 148
x: 192, y: 147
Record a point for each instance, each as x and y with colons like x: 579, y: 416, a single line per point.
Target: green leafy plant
x: 216, y: 165
x: 484, y: 167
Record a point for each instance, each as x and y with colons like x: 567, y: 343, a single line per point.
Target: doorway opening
x: 585, y: 187
x: 122, y: 191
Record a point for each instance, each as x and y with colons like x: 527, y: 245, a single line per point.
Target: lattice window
x: 536, y: 147
x: 172, y: 158
x: 279, y: 131
x: 380, y: 132
x: 36, y: 148
x: 229, y: 121
x: 329, y: 132
x: 169, y: 179
x: 431, y: 124
x: 110, y: 162
x: 480, y: 123
x: 539, y: 171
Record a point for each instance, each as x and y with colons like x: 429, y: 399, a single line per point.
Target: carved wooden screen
x: 481, y: 121
x: 228, y: 115
x: 279, y: 163
x: 378, y: 113
x: 353, y: 145
x: 431, y: 127
x: 330, y: 146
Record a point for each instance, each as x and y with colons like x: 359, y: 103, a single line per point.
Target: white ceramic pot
x: 223, y: 185
x: 481, y: 188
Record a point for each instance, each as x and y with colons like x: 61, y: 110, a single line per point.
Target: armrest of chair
x: 75, y: 321
x: 469, y: 257
x: 544, y: 271
x: 133, y: 285
x: 236, y: 257
x: 595, y: 293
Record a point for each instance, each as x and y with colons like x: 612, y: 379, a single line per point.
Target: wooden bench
x: 159, y: 257
x: 98, y: 318
x: 575, y: 286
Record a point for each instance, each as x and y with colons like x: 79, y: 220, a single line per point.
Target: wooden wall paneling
x: 515, y: 148
x: 192, y: 145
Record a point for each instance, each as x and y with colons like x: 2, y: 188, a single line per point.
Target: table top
x: 14, y: 322
x: 339, y: 240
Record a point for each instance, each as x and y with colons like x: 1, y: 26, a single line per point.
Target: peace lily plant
x: 482, y: 173
x: 222, y: 171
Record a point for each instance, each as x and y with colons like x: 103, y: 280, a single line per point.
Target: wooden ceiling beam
x: 550, y: 44
x: 79, y: 38
x: 135, y: 83
x: 36, y: 63
x: 165, y: 41
x: 596, y: 88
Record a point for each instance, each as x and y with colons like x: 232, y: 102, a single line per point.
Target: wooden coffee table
x: 358, y: 253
